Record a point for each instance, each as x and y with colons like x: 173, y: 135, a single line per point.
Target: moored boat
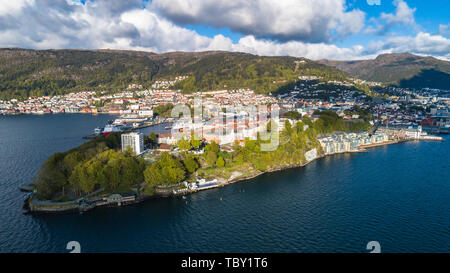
x: 109, y: 128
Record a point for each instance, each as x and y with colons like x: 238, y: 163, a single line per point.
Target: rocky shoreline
x: 54, y: 208
x: 73, y: 206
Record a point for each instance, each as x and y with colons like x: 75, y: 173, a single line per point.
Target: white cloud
x: 404, y: 15
x: 423, y: 44
x: 108, y: 24
x: 44, y: 24
x: 161, y: 34
x: 316, y: 51
x: 302, y: 20
x: 12, y: 7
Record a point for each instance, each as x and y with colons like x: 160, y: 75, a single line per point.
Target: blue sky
x: 334, y: 29
x: 428, y: 16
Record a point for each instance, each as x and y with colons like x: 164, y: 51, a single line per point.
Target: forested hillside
x: 25, y: 73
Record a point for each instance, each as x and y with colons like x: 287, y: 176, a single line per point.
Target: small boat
x: 98, y: 131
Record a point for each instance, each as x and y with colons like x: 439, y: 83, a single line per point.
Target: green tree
x: 307, y: 121
x: 183, y: 144
x: 153, y: 137
x: 128, y: 151
x: 150, y: 139
x: 298, y: 127
x: 220, y: 162
x: 74, y: 180
x: 153, y: 175
x: 293, y: 114
x: 211, y: 158
x: 112, y: 170
x: 79, y: 180
x: 163, y: 110
x: 195, y: 141
x: 287, y: 128
x: 166, y: 170
x: 213, y: 147
x: 70, y: 161
x: 190, y: 163
x: 51, y: 177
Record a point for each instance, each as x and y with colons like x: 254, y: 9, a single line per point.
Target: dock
x: 432, y: 138
x: 364, y: 146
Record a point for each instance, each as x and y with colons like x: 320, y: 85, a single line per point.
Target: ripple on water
x: 397, y: 195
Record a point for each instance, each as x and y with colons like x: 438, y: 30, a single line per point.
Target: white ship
x: 109, y: 128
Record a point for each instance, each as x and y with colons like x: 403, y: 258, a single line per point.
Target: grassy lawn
x: 226, y: 172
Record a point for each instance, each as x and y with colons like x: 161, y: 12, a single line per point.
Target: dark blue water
x: 398, y: 195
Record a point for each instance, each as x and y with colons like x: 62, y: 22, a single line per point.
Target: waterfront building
x: 133, y: 140
x: 349, y: 142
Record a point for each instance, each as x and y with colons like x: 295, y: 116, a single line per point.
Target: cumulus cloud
x: 423, y: 44
x: 45, y: 24
x: 404, y: 15
x: 162, y: 35
x: 315, y: 51
x: 283, y: 20
x: 12, y: 7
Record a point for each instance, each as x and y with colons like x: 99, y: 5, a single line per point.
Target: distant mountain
x: 25, y: 73
x: 401, y: 69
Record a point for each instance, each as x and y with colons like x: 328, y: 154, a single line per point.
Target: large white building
x: 133, y: 140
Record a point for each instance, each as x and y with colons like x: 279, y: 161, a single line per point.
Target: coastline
x: 75, y: 206
x: 57, y: 208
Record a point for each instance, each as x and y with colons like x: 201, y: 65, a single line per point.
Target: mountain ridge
x: 25, y: 72
x: 400, y: 69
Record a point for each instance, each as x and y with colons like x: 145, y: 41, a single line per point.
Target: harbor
x: 331, y: 144
x: 224, y: 135
x: 345, y: 179
x: 127, y: 123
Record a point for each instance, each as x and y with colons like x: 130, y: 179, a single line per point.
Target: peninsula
x: 103, y: 172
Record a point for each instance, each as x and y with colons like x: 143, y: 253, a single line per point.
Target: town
x: 202, y: 130
x: 390, y: 106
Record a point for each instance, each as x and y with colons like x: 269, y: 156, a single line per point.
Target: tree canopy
x: 165, y: 171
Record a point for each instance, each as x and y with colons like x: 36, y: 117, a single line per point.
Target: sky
x: 315, y: 29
